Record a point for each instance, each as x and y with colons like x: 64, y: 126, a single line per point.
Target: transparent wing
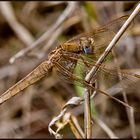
x: 66, y: 67
x: 103, y: 35
x: 71, y: 61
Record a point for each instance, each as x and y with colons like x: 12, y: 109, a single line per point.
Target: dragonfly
x: 87, y: 47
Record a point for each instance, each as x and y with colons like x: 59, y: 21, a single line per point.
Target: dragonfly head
x: 87, y: 44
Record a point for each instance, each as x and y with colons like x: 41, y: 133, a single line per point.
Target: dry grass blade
x: 53, y: 122
x: 105, y: 128
x: 72, y: 102
x: 87, y: 114
x: 75, y: 127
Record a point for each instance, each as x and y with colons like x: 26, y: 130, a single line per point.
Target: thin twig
x: 130, y: 113
x: 22, y: 33
x: 87, y: 114
x: 67, y: 12
x: 75, y: 127
x: 105, y: 128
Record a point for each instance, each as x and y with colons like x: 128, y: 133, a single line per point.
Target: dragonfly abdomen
x: 38, y: 73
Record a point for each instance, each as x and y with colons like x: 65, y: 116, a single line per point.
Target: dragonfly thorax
x: 86, y: 44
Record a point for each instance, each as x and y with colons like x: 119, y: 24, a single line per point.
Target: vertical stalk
x: 87, y: 114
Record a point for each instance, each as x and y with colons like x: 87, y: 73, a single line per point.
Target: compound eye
x: 87, y: 50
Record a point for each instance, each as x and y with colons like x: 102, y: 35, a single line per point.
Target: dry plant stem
x: 105, y: 128
x: 130, y: 113
x: 75, y: 127
x: 67, y: 12
x: 87, y: 111
x: 95, y: 68
x: 22, y: 33
x: 73, y: 101
x: 112, y: 44
x: 87, y: 114
x: 62, y: 113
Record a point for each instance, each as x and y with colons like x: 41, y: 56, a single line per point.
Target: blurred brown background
x: 28, y: 114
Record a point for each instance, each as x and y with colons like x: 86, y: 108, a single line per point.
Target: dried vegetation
x: 28, y: 32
